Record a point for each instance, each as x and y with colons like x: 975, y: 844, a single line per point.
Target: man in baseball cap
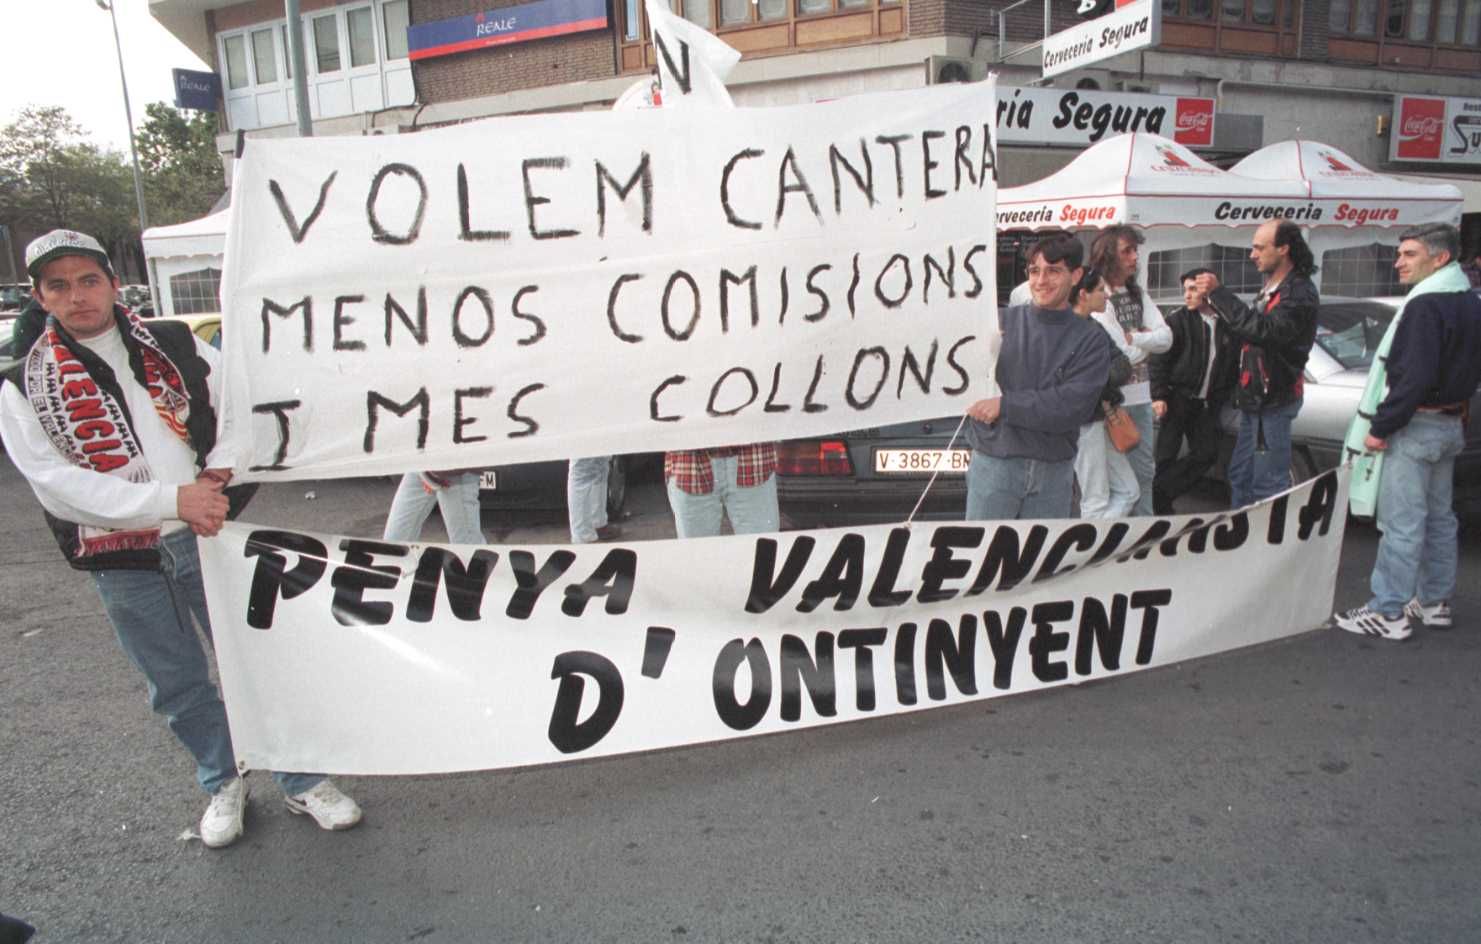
x: 31, y: 321
x: 64, y: 242
x: 112, y: 420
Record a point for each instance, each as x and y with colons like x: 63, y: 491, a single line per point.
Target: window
x: 197, y: 292
x: 1393, y: 24
x: 236, y: 62
x: 771, y: 26
x: 1419, y: 21
x: 698, y: 12
x: 1360, y: 19
x: 326, y: 44
x: 1189, y: 9
x: 1445, y: 22
x: 1234, y: 12
x: 263, y: 59
x: 735, y: 11
x: 1361, y: 271
x: 395, y: 22
x: 1230, y: 263
x: 362, y: 37
x: 1425, y: 22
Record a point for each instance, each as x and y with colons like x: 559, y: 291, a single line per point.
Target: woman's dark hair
x: 1087, y: 282
x: 1303, y: 263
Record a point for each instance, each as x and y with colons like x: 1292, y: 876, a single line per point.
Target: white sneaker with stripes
x: 1366, y: 622
x: 1433, y: 615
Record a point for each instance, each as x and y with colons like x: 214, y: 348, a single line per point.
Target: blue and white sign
x: 514, y: 24
x: 200, y: 91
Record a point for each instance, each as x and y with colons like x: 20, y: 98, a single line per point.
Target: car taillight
x: 814, y: 457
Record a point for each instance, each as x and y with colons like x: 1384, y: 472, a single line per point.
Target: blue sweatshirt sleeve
x: 1063, y: 405
x: 1413, y: 366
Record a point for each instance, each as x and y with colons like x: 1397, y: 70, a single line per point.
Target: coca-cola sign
x: 1418, y: 128
x: 1195, y: 122
x: 1436, y: 130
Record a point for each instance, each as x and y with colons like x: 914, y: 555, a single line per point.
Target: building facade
x: 1335, y: 71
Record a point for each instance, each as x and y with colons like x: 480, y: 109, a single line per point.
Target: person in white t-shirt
x: 1115, y: 254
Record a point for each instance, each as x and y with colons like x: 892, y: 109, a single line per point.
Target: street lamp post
x: 128, y: 114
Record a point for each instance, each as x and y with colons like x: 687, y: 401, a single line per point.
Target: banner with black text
x: 548, y: 286
x: 358, y: 656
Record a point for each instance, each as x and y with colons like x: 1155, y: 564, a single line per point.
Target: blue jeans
x: 151, y: 615
x: 1143, y: 456
x: 1417, y: 553
x: 586, y: 497
x: 1108, y: 487
x: 1255, y: 476
x: 752, y: 510
x: 458, y: 502
x: 1007, y: 489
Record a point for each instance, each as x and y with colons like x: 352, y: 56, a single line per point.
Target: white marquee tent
x: 1353, y: 201
x: 184, y: 249
x: 1182, y: 201
x: 1153, y: 183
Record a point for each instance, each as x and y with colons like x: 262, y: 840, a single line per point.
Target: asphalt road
x: 1325, y: 788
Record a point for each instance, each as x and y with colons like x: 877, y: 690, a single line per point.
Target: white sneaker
x: 329, y: 808
x: 1366, y: 622
x: 1433, y: 615
x: 222, y: 824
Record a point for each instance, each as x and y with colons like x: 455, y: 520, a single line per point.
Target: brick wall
x: 260, y: 11
x: 970, y: 17
x: 499, y: 69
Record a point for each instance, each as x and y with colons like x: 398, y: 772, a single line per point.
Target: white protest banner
x: 539, y: 287
x: 359, y: 656
x: 692, y: 63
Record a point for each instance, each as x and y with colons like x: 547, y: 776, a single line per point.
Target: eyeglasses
x: 1058, y: 271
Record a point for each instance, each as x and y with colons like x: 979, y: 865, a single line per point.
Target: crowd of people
x: 1088, y: 351
x: 112, y: 421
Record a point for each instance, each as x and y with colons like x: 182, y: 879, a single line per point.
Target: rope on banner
x: 935, y: 472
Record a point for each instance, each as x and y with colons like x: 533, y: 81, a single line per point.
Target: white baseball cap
x: 63, y: 242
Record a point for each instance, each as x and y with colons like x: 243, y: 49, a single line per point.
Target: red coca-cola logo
x: 1420, y: 123
x: 1417, y: 127
x: 1194, y: 125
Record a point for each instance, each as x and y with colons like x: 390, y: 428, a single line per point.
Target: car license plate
x: 922, y: 461
x: 489, y: 480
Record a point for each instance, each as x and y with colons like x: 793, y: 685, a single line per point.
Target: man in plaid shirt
x: 739, y: 481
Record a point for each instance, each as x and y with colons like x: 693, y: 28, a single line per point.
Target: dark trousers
x: 1197, y: 421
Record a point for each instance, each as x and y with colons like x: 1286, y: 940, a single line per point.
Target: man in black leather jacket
x: 1275, y: 338
x: 1191, y: 383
